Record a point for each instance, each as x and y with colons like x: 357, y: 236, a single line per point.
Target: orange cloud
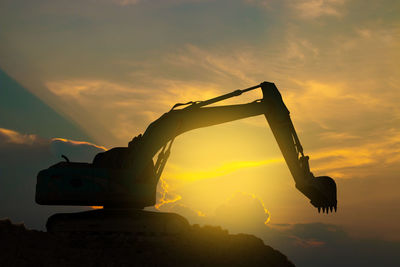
x: 18, y: 138
x: 379, y: 154
x: 72, y: 142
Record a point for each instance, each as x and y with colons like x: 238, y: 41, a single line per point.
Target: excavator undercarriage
x: 124, y: 179
x: 132, y: 221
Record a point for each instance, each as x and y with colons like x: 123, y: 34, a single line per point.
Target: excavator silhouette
x: 124, y: 179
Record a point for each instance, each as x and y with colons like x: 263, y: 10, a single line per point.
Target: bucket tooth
x: 321, y: 191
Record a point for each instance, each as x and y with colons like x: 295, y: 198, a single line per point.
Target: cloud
x: 8, y: 136
x: 372, y: 157
x: 22, y: 157
x: 311, y: 9
x: 125, y: 112
x: 301, y: 49
x: 243, y: 212
x: 317, y: 244
x: 129, y: 106
x: 82, y: 151
x: 217, y: 64
x: 74, y: 150
x: 338, y: 138
x: 303, y: 9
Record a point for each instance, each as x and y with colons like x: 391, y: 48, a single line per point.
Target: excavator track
x: 132, y: 221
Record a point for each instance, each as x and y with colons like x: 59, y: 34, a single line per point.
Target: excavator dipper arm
x: 320, y: 190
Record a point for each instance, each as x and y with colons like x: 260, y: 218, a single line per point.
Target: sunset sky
x: 79, y: 77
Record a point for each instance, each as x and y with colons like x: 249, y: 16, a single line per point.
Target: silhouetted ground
x: 200, y: 246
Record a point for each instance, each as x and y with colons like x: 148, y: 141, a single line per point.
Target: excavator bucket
x: 321, y: 191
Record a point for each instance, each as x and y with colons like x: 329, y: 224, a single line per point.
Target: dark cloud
x: 318, y: 244
x: 22, y: 157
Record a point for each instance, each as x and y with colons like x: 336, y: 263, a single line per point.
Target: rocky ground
x: 199, y: 246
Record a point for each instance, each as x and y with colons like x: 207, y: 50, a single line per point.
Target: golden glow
x: 224, y: 169
x: 96, y: 207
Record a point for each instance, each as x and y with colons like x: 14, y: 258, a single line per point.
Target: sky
x: 79, y: 77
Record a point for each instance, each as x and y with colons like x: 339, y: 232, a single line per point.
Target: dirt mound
x: 199, y: 246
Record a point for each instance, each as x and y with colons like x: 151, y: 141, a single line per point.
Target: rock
x: 199, y: 246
